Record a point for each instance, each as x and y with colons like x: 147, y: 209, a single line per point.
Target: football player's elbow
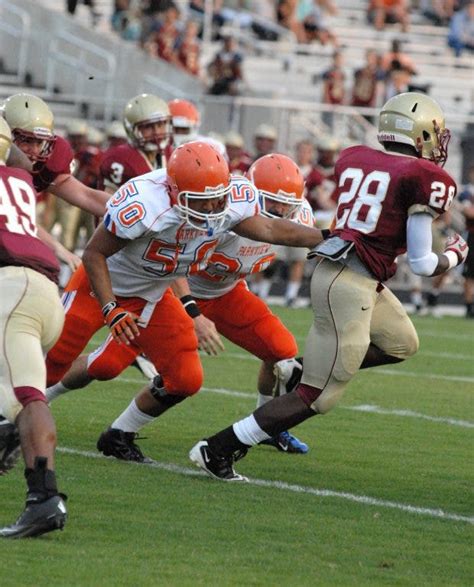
x: 424, y: 266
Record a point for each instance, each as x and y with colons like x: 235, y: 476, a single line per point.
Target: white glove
x: 457, y: 245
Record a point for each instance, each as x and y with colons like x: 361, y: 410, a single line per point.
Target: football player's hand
x: 208, y: 337
x: 71, y: 259
x: 122, y: 324
x: 458, y: 245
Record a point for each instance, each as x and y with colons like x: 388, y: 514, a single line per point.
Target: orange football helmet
x: 199, y: 181
x: 279, y: 181
x: 185, y: 119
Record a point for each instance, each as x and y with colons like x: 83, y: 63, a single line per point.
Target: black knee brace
x: 158, y: 391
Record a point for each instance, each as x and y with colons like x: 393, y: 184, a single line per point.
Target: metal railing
x: 21, y: 32
x: 74, y: 52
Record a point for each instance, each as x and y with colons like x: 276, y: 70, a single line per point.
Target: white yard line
x: 370, y: 409
x: 281, y: 485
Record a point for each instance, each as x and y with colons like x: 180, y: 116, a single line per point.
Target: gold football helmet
x: 415, y: 119
x: 5, y: 140
x: 147, y: 109
x: 30, y: 118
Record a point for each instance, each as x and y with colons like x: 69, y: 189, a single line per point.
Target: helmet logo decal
x: 404, y: 124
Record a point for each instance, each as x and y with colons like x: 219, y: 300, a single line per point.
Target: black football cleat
x: 38, y: 518
x: 215, y: 466
x: 119, y: 444
x: 9, y: 446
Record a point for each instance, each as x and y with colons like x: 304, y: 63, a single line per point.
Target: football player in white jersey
x: 159, y: 227
x: 221, y: 294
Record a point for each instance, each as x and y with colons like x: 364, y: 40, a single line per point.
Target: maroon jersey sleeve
x: 376, y: 192
x: 121, y: 164
x: 58, y: 163
x: 19, y: 245
x: 428, y: 189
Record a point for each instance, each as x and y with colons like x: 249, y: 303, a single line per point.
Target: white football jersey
x: 162, y: 245
x: 235, y: 257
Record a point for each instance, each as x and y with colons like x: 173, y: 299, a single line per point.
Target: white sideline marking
x: 409, y: 414
x: 367, y: 408
x: 454, y: 356
x: 363, y: 499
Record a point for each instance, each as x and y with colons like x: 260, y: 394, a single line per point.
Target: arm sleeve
x: 421, y: 258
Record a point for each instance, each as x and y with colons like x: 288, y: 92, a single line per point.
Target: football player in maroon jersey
x: 31, y: 319
x: 387, y: 201
x: 147, y: 122
x: 31, y: 122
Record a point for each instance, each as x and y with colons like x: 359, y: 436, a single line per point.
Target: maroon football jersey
x: 19, y: 245
x: 58, y: 163
x: 122, y: 163
x: 377, y: 191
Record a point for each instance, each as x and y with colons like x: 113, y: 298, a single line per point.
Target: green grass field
x: 384, y: 497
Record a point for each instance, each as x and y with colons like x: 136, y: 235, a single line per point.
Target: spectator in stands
x: 439, y: 12
x: 398, y: 80
x: 461, y: 30
x: 368, y: 82
x: 226, y: 69
x: 162, y: 41
x: 197, y: 8
x: 306, y: 160
x: 239, y: 160
x: 311, y: 15
x: 396, y: 57
x: 334, y: 79
x: 286, y: 17
x: 71, y: 6
x: 127, y: 19
x: 188, y: 48
x: 265, y: 139
x: 382, y: 12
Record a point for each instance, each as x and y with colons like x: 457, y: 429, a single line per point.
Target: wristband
x: 453, y: 258
x: 190, y: 305
x: 325, y: 232
x: 108, y: 308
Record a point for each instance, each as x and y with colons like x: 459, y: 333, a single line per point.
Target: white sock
x: 249, y: 432
x: 132, y: 419
x: 55, y: 391
x: 416, y: 298
x: 292, y: 290
x: 263, y: 399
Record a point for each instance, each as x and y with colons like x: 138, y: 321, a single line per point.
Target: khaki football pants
x: 349, y: 314
x: 31, y: 320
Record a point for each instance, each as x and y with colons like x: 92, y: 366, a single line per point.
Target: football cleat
x: 215, y: 466
x: 38, y: 518
x: 9, y: 445
x: 286, y: 442
x: 145, y: 366
x: 288, y: 374
x: 119, y: 444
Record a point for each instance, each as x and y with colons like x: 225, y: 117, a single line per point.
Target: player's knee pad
x: 276, y: 338
x: 160, y: 393
x: 184, y: 377
x: 108, y: 365
x: 322, y: 401
x: 404, y: 345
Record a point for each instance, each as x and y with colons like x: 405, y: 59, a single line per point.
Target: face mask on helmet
x: 186, y: 121
x: 417, y: 120
x: 147, y: 123
x: 280, y: 185
x: 31, y: 123
x: 199, y: 182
